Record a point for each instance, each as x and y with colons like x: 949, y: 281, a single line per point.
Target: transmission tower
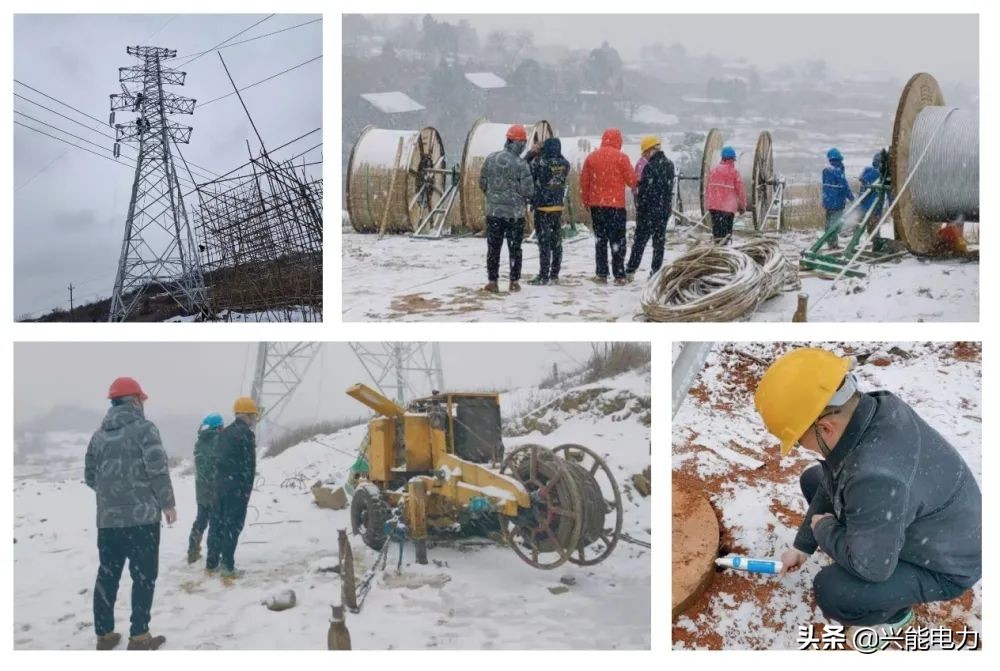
x: 403, y: 371
x: 158, y: 251
x: 279, y: 371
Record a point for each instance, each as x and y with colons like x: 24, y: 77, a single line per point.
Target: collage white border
x: 661, y: 335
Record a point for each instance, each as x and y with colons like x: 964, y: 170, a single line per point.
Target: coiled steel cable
x: 946, y: 185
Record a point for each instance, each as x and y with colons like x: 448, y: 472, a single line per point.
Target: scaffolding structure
x: 261, y: 233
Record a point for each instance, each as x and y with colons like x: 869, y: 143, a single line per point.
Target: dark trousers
x: 851, y: 601
x: 498, y: 230
x: 609, y: 230
x: 645, y: 229
x: 229, y: 515
x: 722, y: 224
x: 140, y: 546
x: 548, y: 226
x: 201, y: 522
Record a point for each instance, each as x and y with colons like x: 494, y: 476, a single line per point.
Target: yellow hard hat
x: 795, y: 389
x: 244, y: 405
x: 648, y: 142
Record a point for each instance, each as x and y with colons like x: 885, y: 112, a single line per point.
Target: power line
x: 160, y: 29
x: 233, y: 44
x: 250, y: 86
x: 49, y: 109
x: 202, y: 53
x: 32, y: 178
x: 65, y: 104
x: 72, y: 144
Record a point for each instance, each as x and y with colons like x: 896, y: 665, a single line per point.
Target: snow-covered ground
x: 472, y: 595
x: 399, y: 278
x: 721, y: 447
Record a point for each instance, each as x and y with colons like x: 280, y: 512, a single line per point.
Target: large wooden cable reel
x: 709, y: 159
x: 916, y: 232
x: 762, y: 180
x: 573, y: 492
x: 484, y: 138
x: 401, y: 170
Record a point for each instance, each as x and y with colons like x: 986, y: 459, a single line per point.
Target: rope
x: 948, y: 184
x: 708, y: 283
x: 781, y: 274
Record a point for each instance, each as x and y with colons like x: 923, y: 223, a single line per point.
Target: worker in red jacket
x: 606, y: 174
x: 725, y: 196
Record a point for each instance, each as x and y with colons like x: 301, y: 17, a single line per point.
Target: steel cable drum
x: 946, y: 184
x: 373, y: 171
x: 483, y: 139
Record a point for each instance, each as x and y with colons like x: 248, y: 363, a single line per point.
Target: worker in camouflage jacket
x: 891, y: 502
x: 236, y: 466
x: 126, y: 466
x: 205, y: 466
x: 505, y: 179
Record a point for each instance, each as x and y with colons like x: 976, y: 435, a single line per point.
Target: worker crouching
x: 891, y: 501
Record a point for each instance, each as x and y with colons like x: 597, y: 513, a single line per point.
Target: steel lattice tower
x: 280, y: 369
x: 395, y: 367
x: 158, y: 250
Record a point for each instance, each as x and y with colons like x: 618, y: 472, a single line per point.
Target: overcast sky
x: 199, y: 378
x: 70, y: 206
x: 944, y: 45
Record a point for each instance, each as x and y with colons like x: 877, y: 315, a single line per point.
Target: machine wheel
x: 605, y: 515
x: 369, y: 513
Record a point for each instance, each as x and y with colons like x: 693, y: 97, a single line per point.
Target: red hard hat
x: 126, y: 386
x: 517, y: 132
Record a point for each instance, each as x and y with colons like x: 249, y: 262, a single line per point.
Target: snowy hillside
x: 473, y: 594
x: 720, y: 447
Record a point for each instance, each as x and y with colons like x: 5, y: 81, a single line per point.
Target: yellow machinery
x: 439, y: 466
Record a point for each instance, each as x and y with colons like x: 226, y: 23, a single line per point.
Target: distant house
x: 394, y: 109
x: 653, y: 117
x: 486, y: 80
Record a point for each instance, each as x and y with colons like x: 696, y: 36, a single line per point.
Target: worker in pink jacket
x: 725, y: 196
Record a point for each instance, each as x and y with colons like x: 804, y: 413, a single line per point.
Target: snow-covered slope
x: 472, y: 595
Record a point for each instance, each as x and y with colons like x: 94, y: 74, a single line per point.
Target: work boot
x: 599, y: 279
x: 879, y: 636
x: 194, y: 555
x: 229, y: 574
x: 146, y: 642
x: 515, y: 286
x: 211, y: 570
x: 630, y: 277
x: 538, y: 281
x: 492, y: 287
x: 620, y: 281
x: 553, y: 280
x: 109, y: 641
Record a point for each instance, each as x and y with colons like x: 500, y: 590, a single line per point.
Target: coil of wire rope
x: 706, y: 284
x: 781, y: 274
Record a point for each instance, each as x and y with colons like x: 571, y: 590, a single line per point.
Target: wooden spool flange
x: 761, y: 189
x: 709, y: 157
x: 917, y: 233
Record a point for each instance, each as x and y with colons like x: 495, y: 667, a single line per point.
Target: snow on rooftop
x: 705, y: 101
x: 392, y: 102
x: 486, y: 80
x: 654, y: 116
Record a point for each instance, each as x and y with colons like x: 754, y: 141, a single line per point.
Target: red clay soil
x: 967, y: 351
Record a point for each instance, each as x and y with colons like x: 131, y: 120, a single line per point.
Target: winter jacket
x: 550, y: 171
x: 236, y: 461
x: 656, y: 189
x: 869, y: 176
x: 205, y: 466
x: 606, y: 173
x: 505, y: 178
x: 899, y: 493
x: 836, y: 190
x: 725, y: 192
x: 126, y: 467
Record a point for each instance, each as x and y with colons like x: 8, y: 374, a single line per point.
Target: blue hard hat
x: 834, y: 155
x: 728, y: 153
x: 213, y: 421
